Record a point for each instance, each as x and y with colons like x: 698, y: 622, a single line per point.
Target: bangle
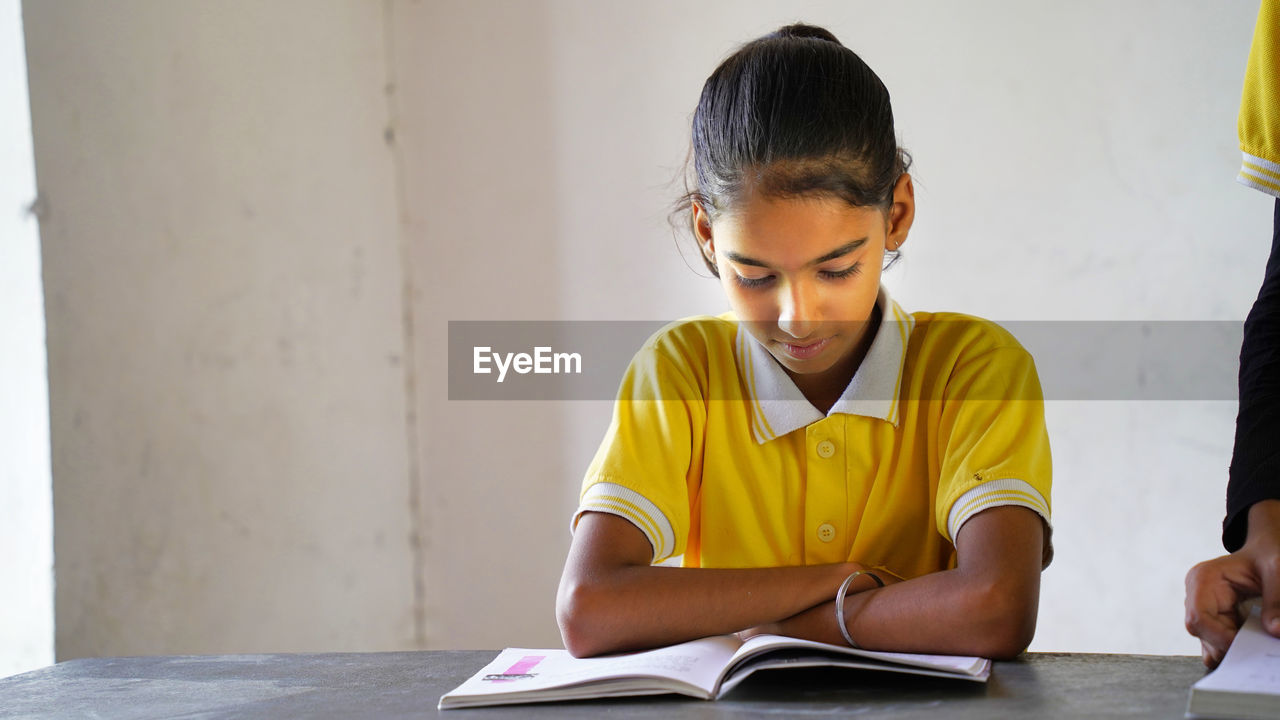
x: 844, y: 588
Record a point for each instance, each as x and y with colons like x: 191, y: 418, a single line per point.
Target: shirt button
x: 826, y: 532
x: 826, y: 449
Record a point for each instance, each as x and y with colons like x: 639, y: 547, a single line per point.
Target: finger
x: 1236, y: 573
x: 1210, y: 607
x: 1215, y: 631
x: 1269, y: 575
x: 1209, y: 655
x: 1206, y: 655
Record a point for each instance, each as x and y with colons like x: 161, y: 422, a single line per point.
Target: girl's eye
x: 759, y: 282
x: 850, y: 271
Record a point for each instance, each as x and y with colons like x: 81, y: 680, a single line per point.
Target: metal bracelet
x: 844, y: 589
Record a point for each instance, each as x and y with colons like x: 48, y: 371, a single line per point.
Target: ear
x: 901, y: 214
x: 702, y: 233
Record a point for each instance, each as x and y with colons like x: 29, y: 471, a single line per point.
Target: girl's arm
x: 986, y: 606
x: 611, y: 599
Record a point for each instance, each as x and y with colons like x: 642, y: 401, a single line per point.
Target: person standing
x: 1251, y: 529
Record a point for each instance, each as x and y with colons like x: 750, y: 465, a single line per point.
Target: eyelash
x: 850, y: 271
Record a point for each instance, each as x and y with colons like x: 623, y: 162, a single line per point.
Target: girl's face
x: 803, y: 274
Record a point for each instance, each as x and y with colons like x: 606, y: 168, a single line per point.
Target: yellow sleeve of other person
x: 716, y: 457
x: 1259, y: 120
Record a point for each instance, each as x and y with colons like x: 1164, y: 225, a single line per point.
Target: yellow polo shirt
x: 717, y: 457
x: 1259, y: 120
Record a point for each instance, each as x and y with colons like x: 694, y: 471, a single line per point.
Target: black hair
x: 794, y: 113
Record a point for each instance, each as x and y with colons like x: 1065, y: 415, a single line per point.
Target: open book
x: 1247, y: 682
x: 705, y: 668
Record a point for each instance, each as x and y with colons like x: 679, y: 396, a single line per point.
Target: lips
x: 805, y: 351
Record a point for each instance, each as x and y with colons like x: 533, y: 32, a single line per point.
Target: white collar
x: 777, y: 405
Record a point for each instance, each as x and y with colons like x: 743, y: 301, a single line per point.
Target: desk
x: 408, y: 685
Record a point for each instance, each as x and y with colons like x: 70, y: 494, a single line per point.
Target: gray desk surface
x: 408, y: 685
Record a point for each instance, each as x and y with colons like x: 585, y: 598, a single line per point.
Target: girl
x: 821, y: 463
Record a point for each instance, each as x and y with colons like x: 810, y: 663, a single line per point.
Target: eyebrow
x: 838, y: 252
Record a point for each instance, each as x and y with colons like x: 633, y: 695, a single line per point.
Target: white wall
x: 26, y: 511
x: 263, y: 216
x: 223, y: 294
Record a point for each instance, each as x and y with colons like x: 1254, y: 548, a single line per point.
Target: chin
x: 811, y: 366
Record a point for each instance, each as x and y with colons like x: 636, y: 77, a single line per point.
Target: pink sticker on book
x: 519, y: 670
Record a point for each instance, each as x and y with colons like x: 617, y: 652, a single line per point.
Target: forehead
x: 785, y: 229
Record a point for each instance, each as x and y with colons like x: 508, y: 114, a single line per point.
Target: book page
x: 695, y: 664
x: 790, y: 660
x: 957, y: 664
x: 1251, y: 665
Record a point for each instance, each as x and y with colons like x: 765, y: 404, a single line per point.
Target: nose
x: 797, y: 314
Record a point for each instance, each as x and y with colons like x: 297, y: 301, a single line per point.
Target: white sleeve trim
x: 1259, y: 174
x: 995, y: 493
x: 626, y: 503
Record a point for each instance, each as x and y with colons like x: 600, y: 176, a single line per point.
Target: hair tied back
x: 800, y: 30
x: 793, y: 114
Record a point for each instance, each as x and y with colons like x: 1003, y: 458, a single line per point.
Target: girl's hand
x: 863, y: 583
x: 794, y: 626
x: 765, y: 629
x: 819, y: 622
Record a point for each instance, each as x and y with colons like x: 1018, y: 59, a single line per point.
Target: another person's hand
x: 1215, y: 587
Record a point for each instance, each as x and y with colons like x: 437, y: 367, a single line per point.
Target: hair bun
x: 800, y: 30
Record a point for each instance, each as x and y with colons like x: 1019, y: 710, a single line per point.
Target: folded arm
x: 986, y: 606
x: 611, y: 599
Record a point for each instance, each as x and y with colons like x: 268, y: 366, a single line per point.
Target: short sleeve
x: 1259, y: 120
x: 993, y: 443
x: 644, y: 470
